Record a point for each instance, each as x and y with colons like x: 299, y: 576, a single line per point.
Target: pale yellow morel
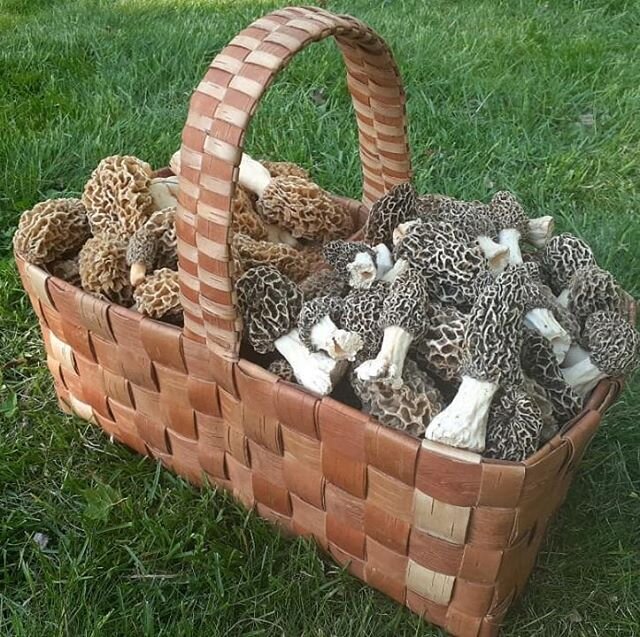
x: 304, y: 209
x: 118, y: 197
x: 248, y: 253
x: 103, y: 269
x: 158, y: 296
x: 51, y: 230
x: 285, y: 169
x: 244, y: 218
x: 66, y: 269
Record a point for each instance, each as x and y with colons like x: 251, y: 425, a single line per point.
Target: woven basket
x: 450, y: 534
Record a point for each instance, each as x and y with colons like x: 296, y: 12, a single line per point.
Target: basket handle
x: 213, y: 137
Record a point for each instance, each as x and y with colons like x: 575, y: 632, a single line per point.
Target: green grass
x: 539, y: 97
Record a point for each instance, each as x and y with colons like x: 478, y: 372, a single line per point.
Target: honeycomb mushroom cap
x: 117, y: 196
x: 409, y: 408
x: 51, y: 230
x: 407, y: 304
x: 515, y: 425
x: 508, y: 213
x: 324, y: 283
x: 285, y: 169
x: 449, y: 262
x: 304, y: 209
x: 339, y: 254
x: 593, y: 289
x: 540, y: 364
x: 494, y: 336
x: 471, y: 217
x: 248, y: 253
x: 158, y: 296
x: 441, y: 348
x: 269, y: 303
x: 562, y: 257
x: 244, y: 217
x: 613, y: 343
x: 67, y: 270
x: 361, y: 312
x: 392, y: 209
x: 312, y: 311
x: 281, y: 367
x: 103, y: 269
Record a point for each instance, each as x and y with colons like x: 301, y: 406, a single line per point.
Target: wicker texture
x: 451, y: 535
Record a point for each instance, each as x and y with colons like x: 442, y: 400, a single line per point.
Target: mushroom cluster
x: 467, y: 323
x: 119, y: 242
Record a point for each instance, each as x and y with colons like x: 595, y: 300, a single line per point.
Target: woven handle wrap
x: 213, y: 138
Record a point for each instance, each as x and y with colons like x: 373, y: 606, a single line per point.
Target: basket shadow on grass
x: 502, y: 103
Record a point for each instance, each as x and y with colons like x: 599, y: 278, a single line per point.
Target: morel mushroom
x: 158, y: 296
x: 361, y: 313
x: 473, y: 218
x: 51, y: 230
x: 409, y: 408
x: 539, y: 363
x: 318, y: 330
x: 285, y: 169
x: 67, y: 270
x: 356, y: 262
x: 248, y: 253
x: 103, y: 269
x: 295, y: 204
x: 404, y: 319
x: 514, y: 428
x: 395, y: 207
x: 441, y: 349
x: 562, y: 257
x: 514, y: 225
x: 324, y: 283
x: 270, y: 304
x: 450, y: 264
x: 153, y: 246
x: 614, y: 350
x: 280, y: 367
x: 117, y: 196
x: 491, y: 359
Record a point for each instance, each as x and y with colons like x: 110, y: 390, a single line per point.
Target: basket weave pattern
x: 451, y: 535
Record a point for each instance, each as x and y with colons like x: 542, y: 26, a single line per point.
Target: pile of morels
x: 437, y: 321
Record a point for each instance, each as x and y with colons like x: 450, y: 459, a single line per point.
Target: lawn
x: 542, y: 98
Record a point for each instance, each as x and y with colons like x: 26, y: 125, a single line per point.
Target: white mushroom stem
x: 497, y: 255
x: 253, y: 175
x: 387, y: 366
x: 398, y: 268
x: 276, y: 234
x: 384, y: 260
x: 164, y: 192
x: 583, y: 376
x: 137, y: 273
x: 544, y: 322
x: 339, y: 344
x: 314, y: 370
x: 174, y: 163
x: 563, y: 298
x: 574, y: 355
x: 362, y: 271
x: 463, y: 423
x: 510, y: 237
x: 540, y: 230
